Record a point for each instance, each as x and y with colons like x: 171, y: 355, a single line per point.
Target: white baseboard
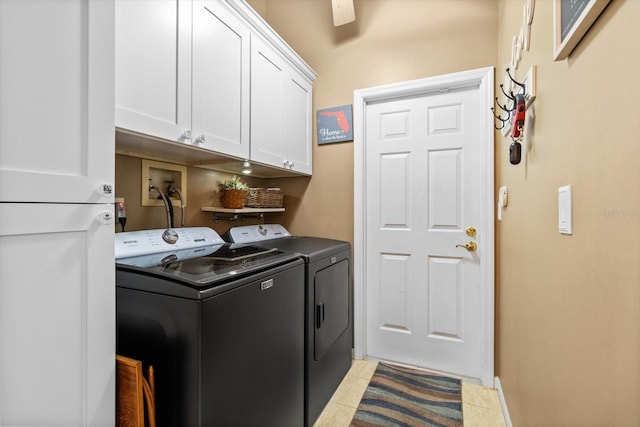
x: 503, y: 402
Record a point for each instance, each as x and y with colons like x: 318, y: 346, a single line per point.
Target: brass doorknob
x: 470, y: 246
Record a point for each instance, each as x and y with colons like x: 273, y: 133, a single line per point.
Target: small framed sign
x: 572, y: 20
x: 335, y: 124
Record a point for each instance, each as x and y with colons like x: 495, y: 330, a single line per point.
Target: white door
x: 153, y: 67
x: 425, y: 193
x: 221, y: 55
x: 57, y: 315
x: 56, y: 101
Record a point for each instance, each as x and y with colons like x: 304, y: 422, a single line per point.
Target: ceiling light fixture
x: 246, y: 167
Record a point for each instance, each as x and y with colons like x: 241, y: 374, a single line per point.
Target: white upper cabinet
x: 153, y: 67
x: 221, y: 55
x: 297, y: 122
x: 56, y: 101
x: 280, y: 111
x: 211, y: 74
x: 182, y: 73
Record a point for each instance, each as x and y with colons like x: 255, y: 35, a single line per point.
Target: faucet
x: 169, y: 235
x: 171, y: 190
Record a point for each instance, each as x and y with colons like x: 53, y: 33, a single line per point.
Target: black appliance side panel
x: 163, y: 331
x: 331, y: 286
x: 253, y: 353
x: 325, y: 373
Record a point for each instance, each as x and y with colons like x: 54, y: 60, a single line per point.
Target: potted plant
x: 233, y: 192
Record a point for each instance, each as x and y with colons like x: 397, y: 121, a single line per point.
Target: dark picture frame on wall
x: 571, y: 21
x: 335, y: 124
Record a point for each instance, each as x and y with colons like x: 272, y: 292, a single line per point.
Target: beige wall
x: 390, y: 41
x: 202, y: 190
x: 568, y: 307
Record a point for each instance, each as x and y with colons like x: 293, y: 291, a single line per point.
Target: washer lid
x: 208, y: 266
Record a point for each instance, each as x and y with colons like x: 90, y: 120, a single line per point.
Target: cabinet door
x: 153, y: 67
x: 57, y: 315
x: 221, y: 55
x: 297, y: 121
x: 267, y: 104
x: 56, y: 100
x: 280, y: 111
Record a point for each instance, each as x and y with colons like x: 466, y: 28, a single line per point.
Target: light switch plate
x: 565, y: 222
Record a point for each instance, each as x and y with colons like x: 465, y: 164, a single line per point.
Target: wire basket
x: 264, y: 198
x: 233, y: 199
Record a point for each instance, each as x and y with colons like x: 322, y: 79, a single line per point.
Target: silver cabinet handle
x: 199, y: 139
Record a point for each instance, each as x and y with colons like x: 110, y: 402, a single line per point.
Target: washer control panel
x: 256, y: 233
x: 146, y: 242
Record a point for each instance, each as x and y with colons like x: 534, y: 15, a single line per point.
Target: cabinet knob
x: 105, y: 189
x: 286, y: 163
x: 291, y: 165
x: 199, y: 140
x: 186, y: 134
x: 105, y: 217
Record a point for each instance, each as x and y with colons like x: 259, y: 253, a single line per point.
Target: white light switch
x: 565, y: 223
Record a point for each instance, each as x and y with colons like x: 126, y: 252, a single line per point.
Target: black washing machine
x: 328, y: 306
x: 222, y: 324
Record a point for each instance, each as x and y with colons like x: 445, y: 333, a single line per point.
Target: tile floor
x: 480, y: 405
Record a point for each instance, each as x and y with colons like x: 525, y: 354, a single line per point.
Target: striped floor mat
x: 398, y: 396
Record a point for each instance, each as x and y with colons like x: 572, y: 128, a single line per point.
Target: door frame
x: 484, y: 79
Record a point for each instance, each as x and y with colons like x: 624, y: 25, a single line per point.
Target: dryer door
x: 331, y: 289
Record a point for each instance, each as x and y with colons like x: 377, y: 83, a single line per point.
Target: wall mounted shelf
x: 224, y: 214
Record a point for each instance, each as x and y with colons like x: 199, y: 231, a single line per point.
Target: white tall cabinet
x: 57, y: 284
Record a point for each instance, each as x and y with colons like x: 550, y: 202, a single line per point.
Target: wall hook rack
x: 513, y: 123
x: 510, y: 112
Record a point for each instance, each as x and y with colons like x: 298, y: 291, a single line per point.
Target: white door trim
x: 482, y: 78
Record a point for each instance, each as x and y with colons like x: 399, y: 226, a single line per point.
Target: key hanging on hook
x: 517, y: 129
x: 519, y: 113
